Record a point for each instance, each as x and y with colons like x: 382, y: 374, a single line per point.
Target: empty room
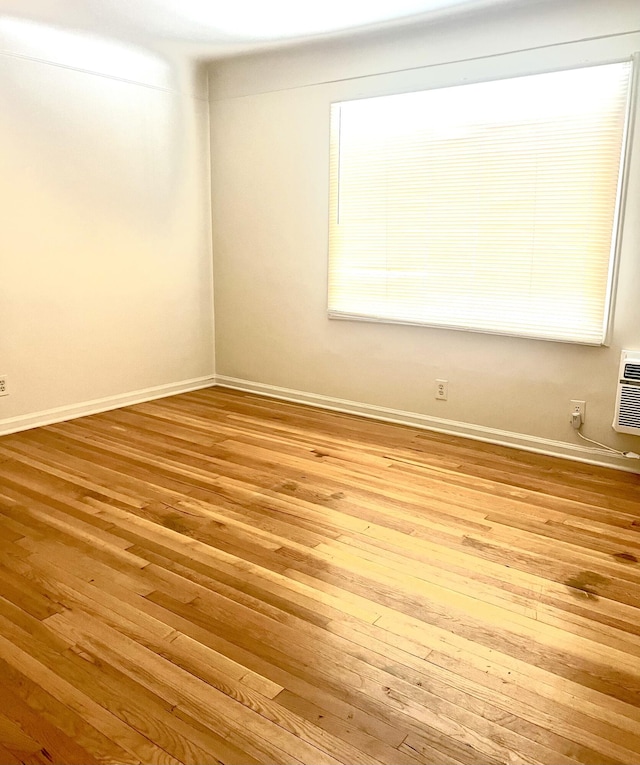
x: 320, y: 382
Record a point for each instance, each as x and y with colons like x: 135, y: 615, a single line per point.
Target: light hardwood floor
x: 218, y: 577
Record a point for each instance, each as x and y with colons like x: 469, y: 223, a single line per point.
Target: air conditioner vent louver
x: 631, y: 372
x: 627, y: 416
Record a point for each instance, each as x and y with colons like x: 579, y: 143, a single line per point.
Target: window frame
x: 436, y: 83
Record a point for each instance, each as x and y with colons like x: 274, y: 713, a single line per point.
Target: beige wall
x: 270, y: 143
x: 105, y: 252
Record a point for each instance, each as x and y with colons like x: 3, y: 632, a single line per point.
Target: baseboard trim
x: 522, y: 441
x: 60, y: 414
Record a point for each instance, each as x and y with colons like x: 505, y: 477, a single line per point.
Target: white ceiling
x: 215, y: 28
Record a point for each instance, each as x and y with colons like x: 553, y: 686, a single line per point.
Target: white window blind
x: 489, y: 207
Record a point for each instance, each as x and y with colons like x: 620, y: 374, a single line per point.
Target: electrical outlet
x: 442, y: 389
x: 4, y: 390
x: 578, y: 407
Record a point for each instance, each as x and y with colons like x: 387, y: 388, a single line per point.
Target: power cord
x: 608, y: 449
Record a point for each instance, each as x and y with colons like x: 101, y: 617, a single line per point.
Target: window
x: 491, y: 207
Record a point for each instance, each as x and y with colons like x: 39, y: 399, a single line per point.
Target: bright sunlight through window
x: 490, y: 207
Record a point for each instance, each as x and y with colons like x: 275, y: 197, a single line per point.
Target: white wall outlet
x: 4, y: 390
x: 442, y: 389
x: 577, y: 407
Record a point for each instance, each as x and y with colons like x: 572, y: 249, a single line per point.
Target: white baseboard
x: 49, y: 416
x: 450, y: 427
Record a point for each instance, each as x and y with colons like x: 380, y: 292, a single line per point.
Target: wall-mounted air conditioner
x: 627, y: 417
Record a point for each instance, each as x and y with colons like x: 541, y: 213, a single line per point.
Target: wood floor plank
x: 218, y: 577
x: 49, y: 737
x: 70, y: 722
x: 112, y: 726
